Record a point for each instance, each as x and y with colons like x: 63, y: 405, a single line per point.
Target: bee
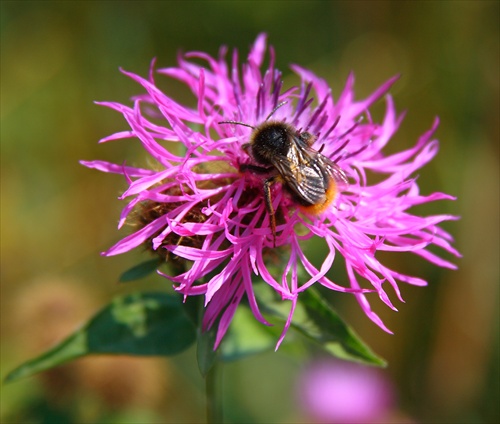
x: 285, y: 155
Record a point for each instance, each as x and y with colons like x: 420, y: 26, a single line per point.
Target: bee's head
x: 270, y: 139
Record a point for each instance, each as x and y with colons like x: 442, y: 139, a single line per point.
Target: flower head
x: 343, y: 392
x: 214, y: 203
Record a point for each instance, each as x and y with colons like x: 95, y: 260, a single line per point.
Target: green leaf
x: 322, y: 324
x: 318, y: 321
x: 205, y: 353
x: 138, y: 324
x: 194, y: 308
x: 246, y: 336
x: 140, y: 271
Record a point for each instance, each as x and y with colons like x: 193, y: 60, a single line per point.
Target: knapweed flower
x: 331, y: 391
x: 208, y: 201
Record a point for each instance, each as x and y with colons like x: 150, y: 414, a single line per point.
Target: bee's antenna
x: 237, y: 123
x: 275, y: 109
x: 251, y: 126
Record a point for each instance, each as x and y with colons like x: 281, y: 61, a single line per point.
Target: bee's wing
x: 307, y: 173
x: 333, y: 170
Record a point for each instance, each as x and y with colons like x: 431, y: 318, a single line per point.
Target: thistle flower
x: 204, y: 203
x: 344, y: 392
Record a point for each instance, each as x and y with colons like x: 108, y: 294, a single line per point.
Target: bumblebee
x: 285, y: 155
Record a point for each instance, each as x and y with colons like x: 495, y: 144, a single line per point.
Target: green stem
x: 213, y: 388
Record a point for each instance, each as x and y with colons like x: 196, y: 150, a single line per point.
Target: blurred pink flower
x: 342, y: 392
x: 199, y: 204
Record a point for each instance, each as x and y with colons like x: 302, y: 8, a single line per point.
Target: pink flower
x: 342, y: 392
x: 203, y: 201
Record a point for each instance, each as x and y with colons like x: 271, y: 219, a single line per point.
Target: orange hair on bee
x: 330, y: 195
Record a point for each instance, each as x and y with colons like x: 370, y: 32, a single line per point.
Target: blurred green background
x: 56, y: 216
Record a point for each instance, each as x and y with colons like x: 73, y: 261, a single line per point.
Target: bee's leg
x: 255, y: 168
x: 269, y: 204
x: 246, y: 147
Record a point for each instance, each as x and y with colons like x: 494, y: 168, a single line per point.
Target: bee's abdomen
x: 319, y: 200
